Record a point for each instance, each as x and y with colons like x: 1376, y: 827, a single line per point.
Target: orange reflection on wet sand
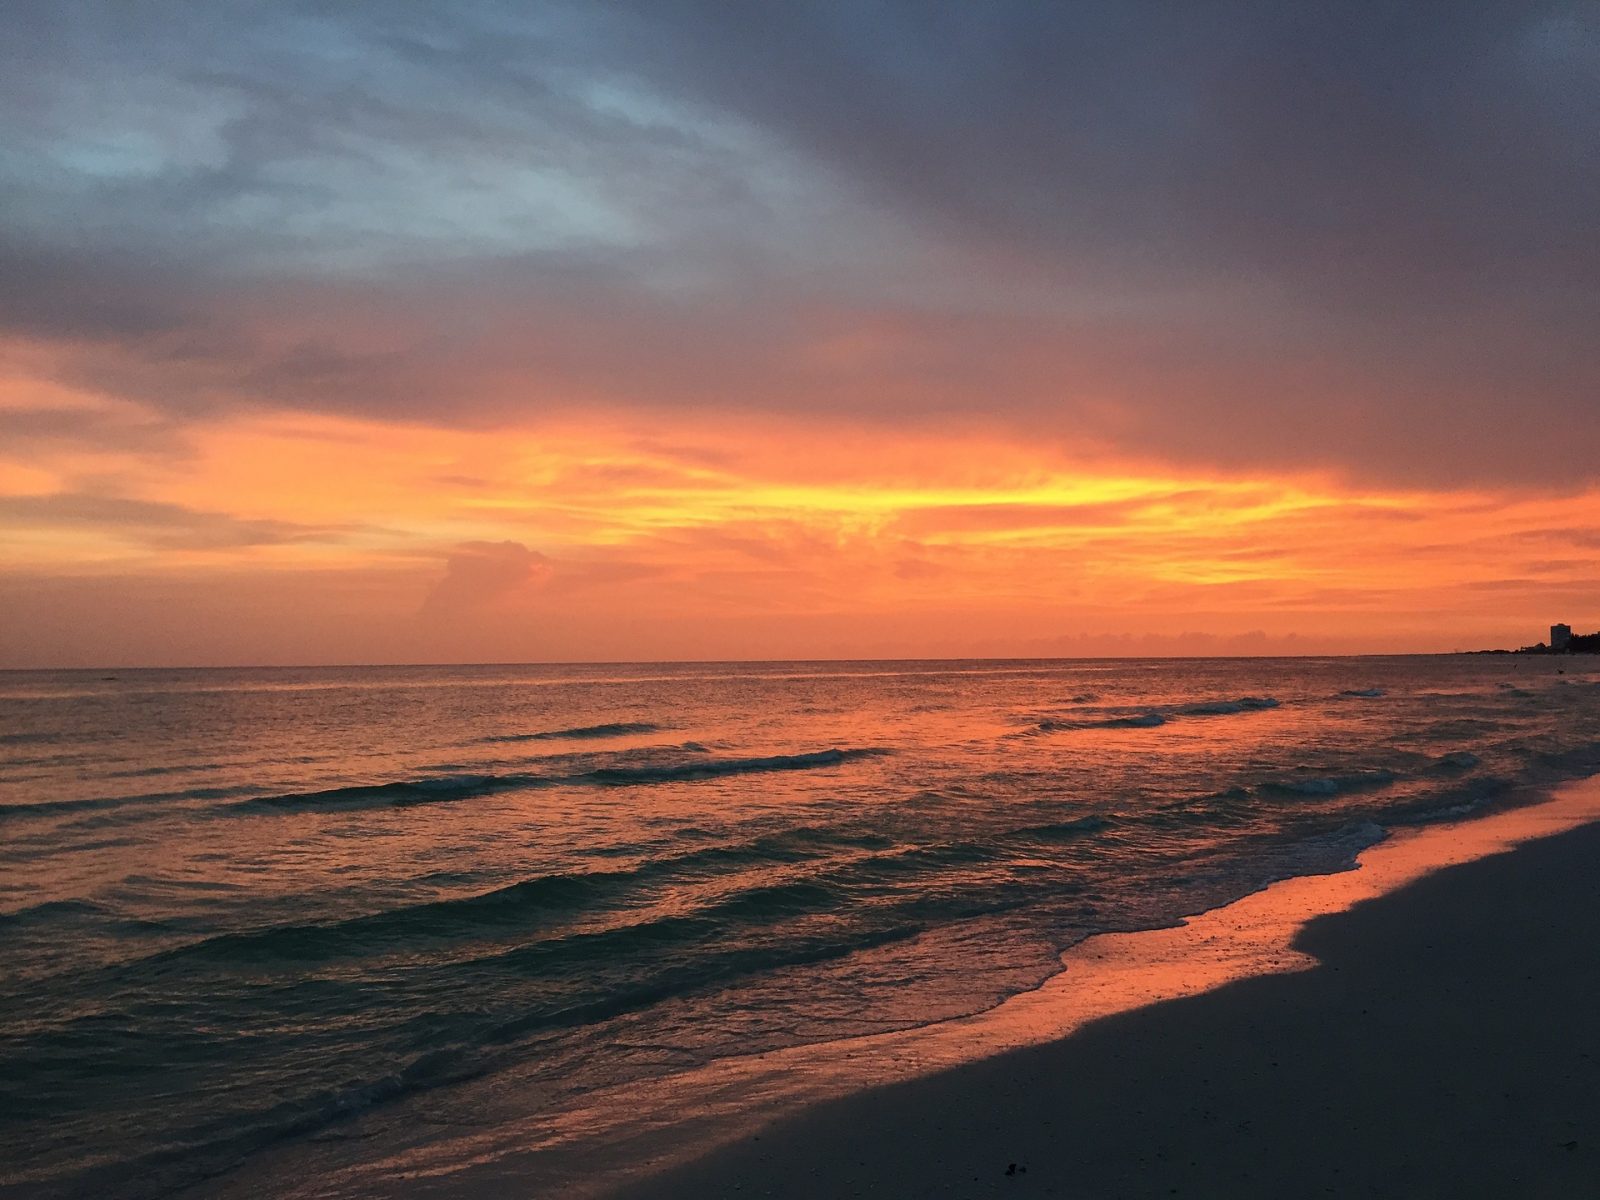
x: 628, y: 1131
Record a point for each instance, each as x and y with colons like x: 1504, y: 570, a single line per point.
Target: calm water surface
x: 239, y: 907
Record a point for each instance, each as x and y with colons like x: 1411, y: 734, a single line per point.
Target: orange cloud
x: 613, y: 537
x: 477, y: 573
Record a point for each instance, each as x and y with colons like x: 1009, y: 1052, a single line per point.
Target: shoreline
x: 695, y: 1133
x: 1431, y: 1034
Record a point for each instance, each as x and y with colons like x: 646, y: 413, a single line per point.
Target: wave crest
x: 1330, y: 785
x: 435, y: 788
x: 608, y: 729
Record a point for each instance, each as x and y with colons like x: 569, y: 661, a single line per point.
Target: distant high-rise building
x: 1560, y: 636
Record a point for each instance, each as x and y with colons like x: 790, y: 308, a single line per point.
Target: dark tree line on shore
x: 1578, y: 643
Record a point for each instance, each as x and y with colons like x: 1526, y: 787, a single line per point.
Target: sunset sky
x: 490, y: 331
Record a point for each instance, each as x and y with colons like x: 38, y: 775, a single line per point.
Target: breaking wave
x: 1330, y: 785
x: 433, y: 789
x: 1155, y: 717
x: 580, y: 733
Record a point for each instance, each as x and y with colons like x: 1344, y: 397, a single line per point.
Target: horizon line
x: 691, y: 662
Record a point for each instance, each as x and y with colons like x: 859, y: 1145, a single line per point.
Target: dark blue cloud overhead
x: 1353, y: 235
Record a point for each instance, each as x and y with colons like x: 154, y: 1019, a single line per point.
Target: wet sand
x: 1438, y: 1040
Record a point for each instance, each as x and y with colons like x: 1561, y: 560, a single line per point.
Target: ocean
x: 243, y: 908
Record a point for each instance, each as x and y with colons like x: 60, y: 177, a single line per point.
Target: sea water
x: 241, y: 908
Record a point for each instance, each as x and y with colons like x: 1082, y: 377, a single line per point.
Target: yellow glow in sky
x: 252, y: 537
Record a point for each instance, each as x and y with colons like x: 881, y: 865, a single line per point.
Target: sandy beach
x: 1418, y: 1026
x: 1442, y: 1044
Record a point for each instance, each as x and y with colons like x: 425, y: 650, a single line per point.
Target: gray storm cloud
x: 1243, y: 233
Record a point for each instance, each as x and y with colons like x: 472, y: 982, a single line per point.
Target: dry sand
x: 1444, y: 1043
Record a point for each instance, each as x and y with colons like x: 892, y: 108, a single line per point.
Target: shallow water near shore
x: 247, y: 909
